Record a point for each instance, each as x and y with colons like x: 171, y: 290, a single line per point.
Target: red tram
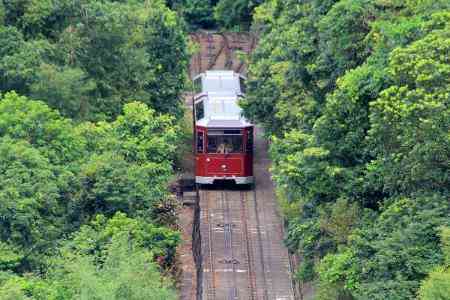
x: 223, y: 137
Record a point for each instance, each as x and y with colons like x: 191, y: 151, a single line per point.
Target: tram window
x: 242, y: 84
x: 198, y: 85
x: 224, y: 143
x: 199, y: 111
x: 249, y: 145
x: 200, y: 139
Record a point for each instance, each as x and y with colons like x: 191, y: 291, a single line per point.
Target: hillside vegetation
x: 355, y: 96
x: 88, y: 58
x: 90, y: 114
x: 233, y: 15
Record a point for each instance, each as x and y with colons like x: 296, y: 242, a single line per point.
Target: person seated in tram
x: 224, y: 148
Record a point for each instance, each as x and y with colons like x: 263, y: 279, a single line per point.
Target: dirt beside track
x: 187, y: 284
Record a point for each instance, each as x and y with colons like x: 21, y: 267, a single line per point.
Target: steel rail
x: 228, y: 237
x: 210, y: 47
x: 213, y: 61
x: 208, y: 41
x: 211, y: 285
x: 248, y: 245
x: 228, y: 52
x: 228, y: 211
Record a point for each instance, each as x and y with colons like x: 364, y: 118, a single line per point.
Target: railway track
x: 243, y: 256
x: 238, y: 254
x: 217, y: 51
x: 230, y: 270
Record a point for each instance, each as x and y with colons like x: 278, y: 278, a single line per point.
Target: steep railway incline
x: 241, y: 233
x: 219, y: 51
x: 242, y: 248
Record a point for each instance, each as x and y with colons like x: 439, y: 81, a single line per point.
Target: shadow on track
x: 228, y: 185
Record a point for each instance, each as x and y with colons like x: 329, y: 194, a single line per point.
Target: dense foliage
x: 127, y: 271
x: 216, y: 14
x: 90, y: 127
x: 198, y: 14
x: 88, y: 58
x: 84, y: 203
x: 437, y: 285
x: 56, y: 175
x: 231, y: 14
x: 355, y: 95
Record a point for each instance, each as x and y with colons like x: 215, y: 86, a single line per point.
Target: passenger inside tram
x: 225, y: 147
x: 220, y: 144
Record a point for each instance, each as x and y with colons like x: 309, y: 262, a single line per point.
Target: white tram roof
x: 221, y: 91
x: 218, y: 81
x: 221, y: 111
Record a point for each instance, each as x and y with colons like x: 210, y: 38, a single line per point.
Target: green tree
x: 37, y: 150
x: 88, y: 60
x: 354, y: 95
x: 389, y: 256
x: 239, y: 13
x: 410, y: 120
x: 95, y: 237
x: 197, y: 13
x: 42, y: 127
x: 30, y: 203
x: 127, y: 272
x: 130, y: 165
x: 66, y: 89
x: 55, y: 176
x: 437, y: 285
x: 100, y: 55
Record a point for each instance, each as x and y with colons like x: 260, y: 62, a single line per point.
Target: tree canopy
x: 91, y: 110
x: 355, y: 98
x: 89, y: 58
x: 216, y: 14
x: 56, y: 175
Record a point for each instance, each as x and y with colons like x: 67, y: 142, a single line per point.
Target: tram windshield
x: 225, y: 141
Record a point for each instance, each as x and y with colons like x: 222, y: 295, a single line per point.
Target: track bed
x: 242, y: 241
